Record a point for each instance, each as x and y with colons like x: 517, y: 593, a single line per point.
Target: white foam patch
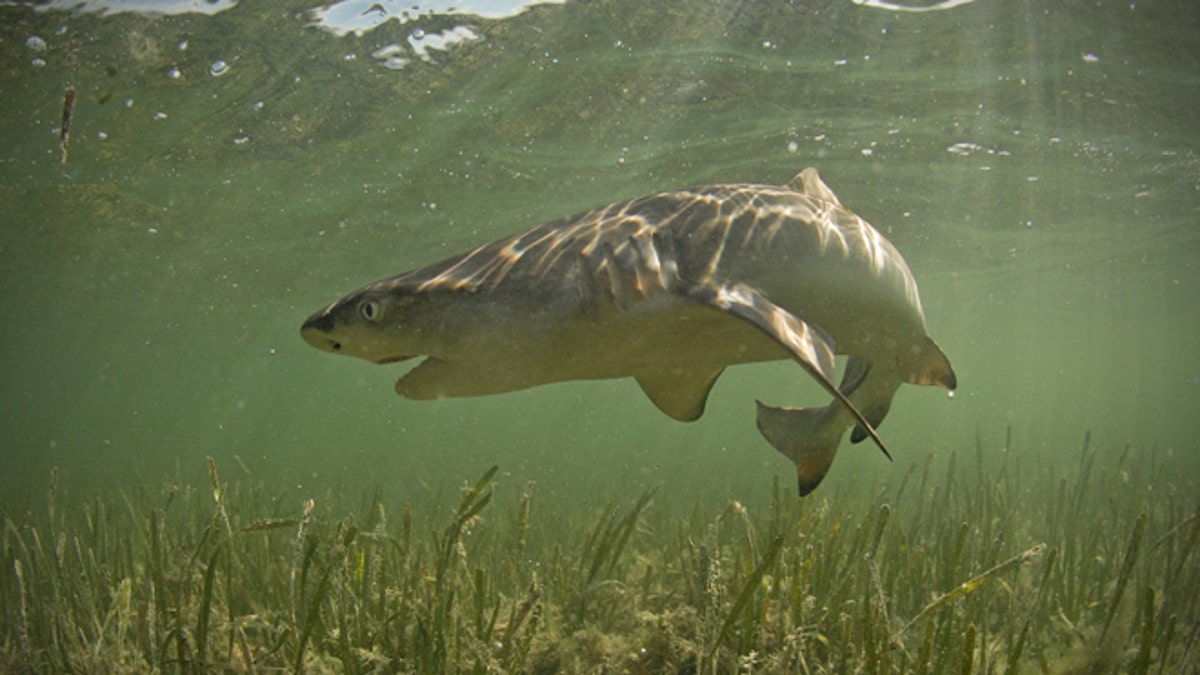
x: 897, y: 7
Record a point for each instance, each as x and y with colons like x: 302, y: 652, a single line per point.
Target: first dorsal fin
x: 809, y: 182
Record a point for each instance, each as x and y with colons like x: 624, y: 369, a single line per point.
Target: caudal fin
x: 933, y: 368
x: 807, y: 436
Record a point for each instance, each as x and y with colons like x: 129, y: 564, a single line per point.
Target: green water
x: 1038, y: 165
x: 1038, y: 169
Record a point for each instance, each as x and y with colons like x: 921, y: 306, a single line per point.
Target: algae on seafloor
x: 1012, y: 569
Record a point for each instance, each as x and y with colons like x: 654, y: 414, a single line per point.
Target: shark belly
x: 667, y: 340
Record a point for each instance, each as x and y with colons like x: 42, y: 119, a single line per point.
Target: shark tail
x: 807, y: 436
x: 933, y: 368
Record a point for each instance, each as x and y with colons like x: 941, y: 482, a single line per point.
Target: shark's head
x: 375, y: 324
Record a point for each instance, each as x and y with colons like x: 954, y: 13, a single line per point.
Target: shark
x: 669, y: 289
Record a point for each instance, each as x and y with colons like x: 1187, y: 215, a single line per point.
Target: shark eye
x: 369, y: 309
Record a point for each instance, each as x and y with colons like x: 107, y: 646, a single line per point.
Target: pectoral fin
x: 680, y: 395
x: 810, y: 346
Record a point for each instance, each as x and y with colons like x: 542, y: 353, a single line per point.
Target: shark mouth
x: 394, y: 359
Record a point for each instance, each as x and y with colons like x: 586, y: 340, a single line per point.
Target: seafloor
x: 978, y: 564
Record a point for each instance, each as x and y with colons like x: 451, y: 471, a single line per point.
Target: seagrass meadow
x: 187, y: 486
x: 974, y: 564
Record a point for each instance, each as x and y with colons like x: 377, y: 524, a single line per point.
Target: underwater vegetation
x: 983, y: 565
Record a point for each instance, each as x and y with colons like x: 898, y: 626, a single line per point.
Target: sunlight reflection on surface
x: 147, y: 7
x: 362, y: 16
x: 899, y: 7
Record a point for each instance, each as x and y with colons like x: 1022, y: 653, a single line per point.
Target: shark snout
x: 323, y: 331
x: 316, y: 332
x: 320, y: 321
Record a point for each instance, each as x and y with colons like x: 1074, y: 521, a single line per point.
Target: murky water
x: 233, y: 167
x: 232, y: 170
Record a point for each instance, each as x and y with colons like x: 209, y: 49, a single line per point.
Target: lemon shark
x: 668, y: 289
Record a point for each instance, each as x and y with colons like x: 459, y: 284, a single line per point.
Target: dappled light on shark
x: 669, y: 289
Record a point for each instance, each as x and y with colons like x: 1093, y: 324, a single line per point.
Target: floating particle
x: 64, y: 136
